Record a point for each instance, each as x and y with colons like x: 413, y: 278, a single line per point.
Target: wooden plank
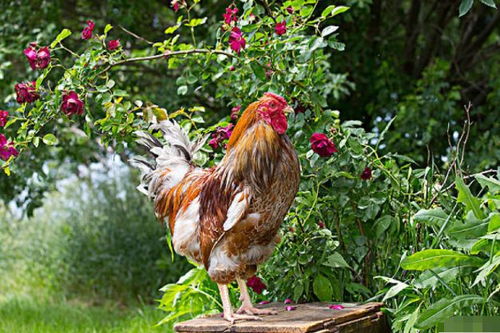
x: 311, y: 317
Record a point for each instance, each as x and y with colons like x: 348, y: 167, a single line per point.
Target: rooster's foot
x: 236, y: 316
x: 250, y: 310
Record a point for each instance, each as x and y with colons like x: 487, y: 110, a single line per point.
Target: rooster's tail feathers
x: 171, y: 161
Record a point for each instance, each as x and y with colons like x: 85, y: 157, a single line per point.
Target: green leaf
x: 334, y: 10
x: 472, y: 228
x: 258, y: 71
x: 394, y: 290
x: 107, y: 28
x: 62, y: 35
x: 182, y: 90
x: 443, y: 309
x: 435, y: 216
x: 488, y: 268
x: 430, y: 259
x: 490, y: 3
x: 492, y: 183
x: 196, y: 22
x: 172, y: 29
x: 464, y: 8
x: 465, y: 196
x: 329, y: 30
x: 494, y: 222
x: 336, y: 260
x: 50, y: 139
x: 322, y: 288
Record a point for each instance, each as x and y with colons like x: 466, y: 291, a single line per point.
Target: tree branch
x: 165, y: 55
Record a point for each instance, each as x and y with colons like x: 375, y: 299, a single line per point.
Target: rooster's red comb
x: 278, y: 97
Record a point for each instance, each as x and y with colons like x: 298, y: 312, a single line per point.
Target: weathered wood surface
x: 311, y: 317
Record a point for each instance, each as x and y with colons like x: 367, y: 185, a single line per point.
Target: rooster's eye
x: 272, y: 105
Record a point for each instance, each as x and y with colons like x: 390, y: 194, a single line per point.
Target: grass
x: 27, y: 314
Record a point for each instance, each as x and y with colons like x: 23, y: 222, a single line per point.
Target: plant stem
x: 165, y: 55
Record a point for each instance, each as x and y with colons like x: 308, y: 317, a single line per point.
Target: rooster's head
x: 272, y: 109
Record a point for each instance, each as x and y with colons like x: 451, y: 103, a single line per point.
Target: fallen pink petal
x: 336, y: 307
x: 290, y: 308
x: 264, y: 302
x: 288, y: 301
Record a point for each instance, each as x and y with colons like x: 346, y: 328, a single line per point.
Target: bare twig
x: 135, y: 35
x: 268, y: 10
x: 164, y: 55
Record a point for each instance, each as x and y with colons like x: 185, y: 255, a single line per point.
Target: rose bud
x: 289, y: 9
x: 30, y: 53
x: 71, y: 104
x: 321, y: 145
x: 43, y: 58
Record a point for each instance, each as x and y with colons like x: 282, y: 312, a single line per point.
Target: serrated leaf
x: 465, y: 196
x: 62, y: 35
x: 443, y: 309
x: 464, y: 8
x: 430, y: 259
x: 50, y: 139
x: 322, y: 288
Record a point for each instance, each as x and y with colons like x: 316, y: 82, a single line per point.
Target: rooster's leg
x: 226, y: 305
x: 246, y: 302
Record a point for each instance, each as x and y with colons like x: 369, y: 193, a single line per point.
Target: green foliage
x: 461, y: 275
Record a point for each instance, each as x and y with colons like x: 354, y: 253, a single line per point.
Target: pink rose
x: 235, y: 112
x: 280, y: 28
x: 71, y: 104
x: 113, y: 44
x: 3, y: 117
x: 26, y: 92
x: 230, y: 15
x: 87, y: 31
x: 321, y: 145
x: 30, y: 53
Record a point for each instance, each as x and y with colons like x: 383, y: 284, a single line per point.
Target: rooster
x: 226, y: 217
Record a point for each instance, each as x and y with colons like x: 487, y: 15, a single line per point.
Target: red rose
x: 87, y: 31
x: 236, y: 40
x: 366, y: 174
x: 280, y: 28
x: 321, y: 145
x: 113, y: 44
x: 37, y: 59
x: 30, y: 53
x: 220, y: 134
x: 289, y: 9
x: 71, y: 104
x: 3, y: 117
x: 7, y: 149
x: 256, y: 284
x: 175, y: 5
x: 26, y: 92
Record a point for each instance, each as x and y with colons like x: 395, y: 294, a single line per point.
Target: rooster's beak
x: 288, y: 109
